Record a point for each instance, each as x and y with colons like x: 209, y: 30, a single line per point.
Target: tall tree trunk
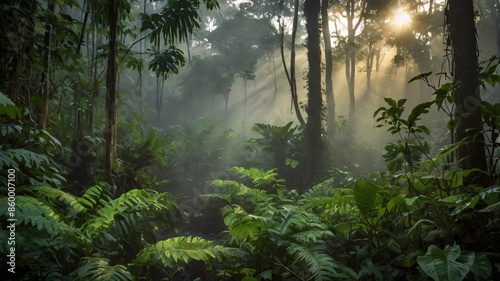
x: 44, y: 114
x: 369, y: 67
x: 313, y: 127
x: 462, y: 33
x: 291, y: 77
x: 293, y: 83
x: 111, y: 92
x: 350, y: 61
x: 350, y: 66
x: 330, y: 97
x: 93, y: 66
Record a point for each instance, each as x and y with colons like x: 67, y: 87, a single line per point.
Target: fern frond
x: 33, y: 212
x: 233, y: 190
x: 96, y: 195
x: 242, y: 225
x: 312, y: 258
x: 129, y: 211
x: 99, y: 269
x: 29, y: 159
x: 311, y: 236
x: 56, y: 196
x: 182, y: 250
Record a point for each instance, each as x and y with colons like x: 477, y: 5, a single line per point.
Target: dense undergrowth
x: 186, y: 206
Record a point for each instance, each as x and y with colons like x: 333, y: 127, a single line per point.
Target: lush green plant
x: 279, y: 234
x: 97, y: 236
x: 29, y: 151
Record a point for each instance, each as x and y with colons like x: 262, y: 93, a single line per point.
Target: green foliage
x: 27, y: 150
x: 100, y: 269
x: 8, y: 108
x: 451, y: 264
x: 273, y: 137
x: 175, y: 21
x: 60, y: 226
x: 277, y: 233
x: 167, y: 62
x: 365, y: 194
x: 321, y: 265
x: 143, y: 148
x: 180, y: 250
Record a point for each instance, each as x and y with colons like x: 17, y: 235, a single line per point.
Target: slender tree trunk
x: 352, y: 27
x: 369, y: 67
x: 44, y: 114
x: 93, y: 66
x: 313, y: 127
x: 330, y: 97
x: 189, y: 38
x: 111, y: 92
x: 245, y: 90
x: 292, y: 64
x: 350, y: 61
x: 495, y: 10
x: 291, y: 76
x: 462, y: 33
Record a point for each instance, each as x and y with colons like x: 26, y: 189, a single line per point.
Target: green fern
x: 242, y: 226
x: 93, y: 268
x: 181, y: 250
x: 313, y: 262
x: 32, y: 212
x: 129, y: 211
x: 96, y: 195
x: 72, y: 205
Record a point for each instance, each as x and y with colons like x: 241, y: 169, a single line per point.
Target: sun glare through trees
x: 401, y: 18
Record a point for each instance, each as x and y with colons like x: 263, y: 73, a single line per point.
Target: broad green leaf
x: 442, y: 265
x: 365, y: 194
x: 481, y: 268
x: 417, y: 111
x: 397, y: 200
x: 422, y: 76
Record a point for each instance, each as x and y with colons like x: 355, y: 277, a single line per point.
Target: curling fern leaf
x: 180, y: 250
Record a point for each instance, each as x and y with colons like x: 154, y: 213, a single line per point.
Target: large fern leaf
x: 313, y: 262
x: 35, y: 213
x: 96, y: 195
x: 129, y: 211
x: 55, y: 197
x: 180, y: 250
x: 99, y: 269
x: 242, y: 226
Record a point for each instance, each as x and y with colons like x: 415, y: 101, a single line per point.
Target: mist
x: 207, y: 140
